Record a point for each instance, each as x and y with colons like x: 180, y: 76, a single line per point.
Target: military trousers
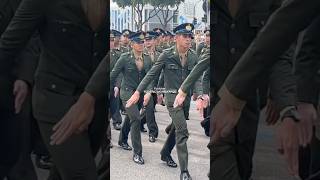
x: 24, y: 168
x: 150, y: 116
x: 9, y: 140
x: 115, y: 108
x: 181, y: 131
x: 315, y: 156
x: 170, y: 142
x: 132, y: 123
x: 231, y: 157
x: 74, y: 159
x: 186, y: 106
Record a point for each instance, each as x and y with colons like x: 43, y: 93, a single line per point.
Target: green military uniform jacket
x: 114, y: 56
x: 156, y: 55
x: 193, y: 45
x: 125, y: 49
x: 196, y: 73
x: 174, y: 73
x: 307, y: 69
x: 162, y: 46
x: 131, y: 75
x: 281, y: 30
x: 201, y: 48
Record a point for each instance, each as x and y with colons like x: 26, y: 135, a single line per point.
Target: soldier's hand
x: 225, y: 119
x: 206, y: 100
x: 146, y: 99
x: 288, y: 142
x: 133, y: 99
x: 272, y: 113
x: 194, y: 97
x: 75, y: 120
x: 20, y: 91
x: 308, y: 114
x: 178, y: 101
x: 200, y: 105
x: 116, y: 91
x: 159, y: 98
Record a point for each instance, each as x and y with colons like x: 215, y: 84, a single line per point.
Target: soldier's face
x: 112, y: 43
x: 138, y: 47
x: 183, y: 40
x: 207, y: 39
x: 116, y: 42
x: 124, y: 39
x: 149, y: 43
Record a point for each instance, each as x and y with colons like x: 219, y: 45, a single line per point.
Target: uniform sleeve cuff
x: 230, y: 99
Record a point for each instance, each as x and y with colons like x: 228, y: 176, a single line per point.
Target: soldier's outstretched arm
x: 275, y: 37
x: 196, y: 73
x: 152, y: 74
x: 192, y: 78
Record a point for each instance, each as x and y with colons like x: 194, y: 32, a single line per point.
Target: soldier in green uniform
x: 66, y: 63
x: 124, y: 47
x: 150, y: 110
x: 114, y: 94
x: 193, y: 43
x: 124, y: 41
x: 171, y: 39
x: 167, y: 40
x: 177, y: 62
x: 134, y: 65
x: 205, y: 44
x: 202, y: 90
x: 117, y: 41
x: 161, y: 46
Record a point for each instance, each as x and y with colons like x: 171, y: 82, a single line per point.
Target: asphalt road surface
x: 268, y: 164
x: 123, y: 168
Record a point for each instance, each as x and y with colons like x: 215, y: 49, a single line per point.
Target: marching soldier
x: 161, y: 46
x: 57, y: 83
x: 177, y: 62
x: 149, y: 113
x: 124, y: 47
x: 114, y: 94
x: 124, y: 42
x: 206, y: 44
x: 133, y: 65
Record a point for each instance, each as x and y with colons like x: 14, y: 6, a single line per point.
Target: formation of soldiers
x: 147, y: 68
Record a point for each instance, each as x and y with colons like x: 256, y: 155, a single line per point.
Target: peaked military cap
x: 114, y: 33
x: 207, y: 32
x: 185, y: 28
x: 169, y: 33
x: 160, y: 31
x: 126, y: 32
x: 137, y: 37
x: 151, y: 35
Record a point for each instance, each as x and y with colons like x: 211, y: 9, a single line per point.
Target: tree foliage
x: 165, y: 7
x: 138, y: 7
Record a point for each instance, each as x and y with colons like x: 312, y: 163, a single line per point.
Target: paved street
x: 122, y: 166
x: 268, y: 165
